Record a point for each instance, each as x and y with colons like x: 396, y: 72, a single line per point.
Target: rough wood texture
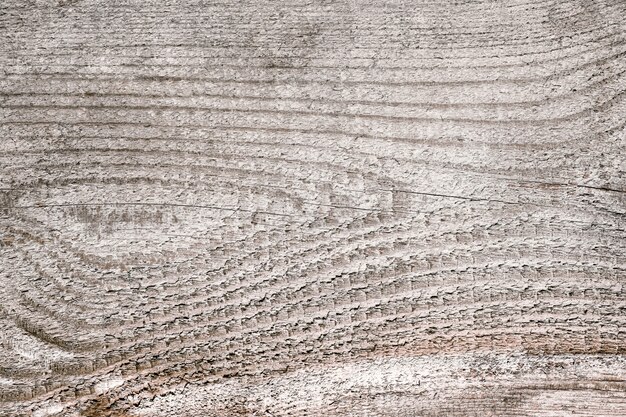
x: 306, y: 208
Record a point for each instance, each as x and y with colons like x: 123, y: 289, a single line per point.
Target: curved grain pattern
x: 356, y: 208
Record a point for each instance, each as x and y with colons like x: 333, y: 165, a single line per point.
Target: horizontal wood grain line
x: 553, y: 76
x: 316, y: 132
x: 380, y: 117
x: 371, y: 63
x: 278, y: 37
x: 164, y: 204
x: 577, y: 92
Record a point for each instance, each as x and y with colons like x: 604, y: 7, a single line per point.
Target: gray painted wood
x: 305, y: 208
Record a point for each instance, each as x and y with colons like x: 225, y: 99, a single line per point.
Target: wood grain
x: 305, y: 208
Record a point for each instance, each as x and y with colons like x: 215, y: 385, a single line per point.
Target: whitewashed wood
x: 360, y: 208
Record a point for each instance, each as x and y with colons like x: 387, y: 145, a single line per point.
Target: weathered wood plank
x: 358, y: 208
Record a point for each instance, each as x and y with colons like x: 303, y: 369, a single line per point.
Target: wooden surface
x: 312, y: 208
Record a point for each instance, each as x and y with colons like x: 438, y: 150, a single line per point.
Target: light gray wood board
x: 383, y: 208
